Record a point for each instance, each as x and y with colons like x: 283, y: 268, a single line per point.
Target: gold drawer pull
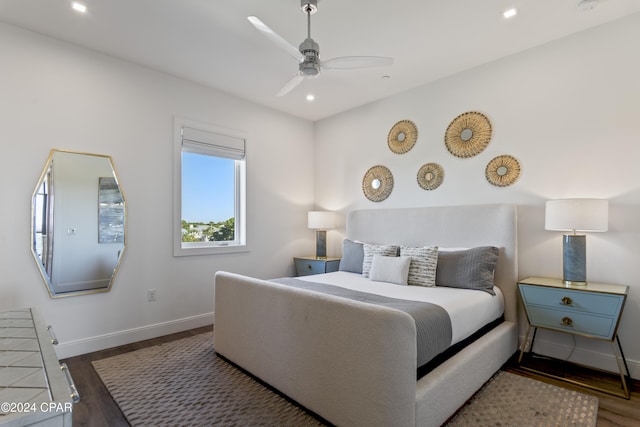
x: 566, y: 321
x: 566, y: 301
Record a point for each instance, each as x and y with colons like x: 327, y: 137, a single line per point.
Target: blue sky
x: 207, y: 188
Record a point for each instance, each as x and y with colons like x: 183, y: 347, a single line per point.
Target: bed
x: 354, y: 363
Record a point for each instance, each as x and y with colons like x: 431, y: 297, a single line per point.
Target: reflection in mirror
x: 78, y: 223
x: 466, y: 134
x: 375, y: 184
x: 502, y: 171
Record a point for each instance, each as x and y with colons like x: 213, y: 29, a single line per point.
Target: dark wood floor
x: 96, y: 407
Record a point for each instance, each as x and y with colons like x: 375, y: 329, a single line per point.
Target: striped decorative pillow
x: 424, y: 262
x: 471, y: 268
x: 371, y: 250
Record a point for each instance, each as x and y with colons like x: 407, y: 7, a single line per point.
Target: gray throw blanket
x: 433, y: 325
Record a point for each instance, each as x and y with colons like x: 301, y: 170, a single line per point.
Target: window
x: 209, y: 189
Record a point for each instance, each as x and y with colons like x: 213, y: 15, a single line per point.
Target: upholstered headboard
x: 448, y: 227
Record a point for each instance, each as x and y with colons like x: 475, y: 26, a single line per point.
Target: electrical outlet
x: 152, y: 295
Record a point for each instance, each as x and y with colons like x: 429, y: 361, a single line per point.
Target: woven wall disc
x: 503, y: 171
x: 402, y: 136
x: 468, y: 134
x: 430, y: 176
x: 377, y: 183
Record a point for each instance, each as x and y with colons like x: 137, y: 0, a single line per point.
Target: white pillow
x: 392, y: 269
x: 371, y: 250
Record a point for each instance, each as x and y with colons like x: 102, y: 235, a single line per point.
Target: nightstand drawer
x: 306, y: 266
x: 574, y: 322
x: 570, y: 300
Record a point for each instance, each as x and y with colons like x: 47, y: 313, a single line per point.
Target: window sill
x: 210, y: 250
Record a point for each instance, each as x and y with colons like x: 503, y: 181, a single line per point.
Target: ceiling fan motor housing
x: 310, y: 67
x: 309, y: 6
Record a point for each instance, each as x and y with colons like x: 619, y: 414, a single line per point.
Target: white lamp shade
x: 321, y: 220
x: 577, y: 215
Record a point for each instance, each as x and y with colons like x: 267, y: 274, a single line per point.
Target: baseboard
x: 87, y: 345
x: 582, y: 356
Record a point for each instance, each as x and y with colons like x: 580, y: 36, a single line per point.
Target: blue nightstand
x: 591, y: 311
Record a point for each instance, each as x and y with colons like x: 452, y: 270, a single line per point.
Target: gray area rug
x: 183, y: 383
x: 512, y: 400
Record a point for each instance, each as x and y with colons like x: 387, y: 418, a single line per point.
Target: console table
x: 35, y: 389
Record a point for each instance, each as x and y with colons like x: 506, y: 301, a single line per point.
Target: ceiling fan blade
x: 347, y: 62
x: 291, y: 84
x: 276, y: 38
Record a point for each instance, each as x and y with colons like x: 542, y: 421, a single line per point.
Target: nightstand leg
x: 622, y: 366
x: 624, y: 359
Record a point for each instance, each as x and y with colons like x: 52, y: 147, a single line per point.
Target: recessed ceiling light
x: 510, y: 13
x: 79, y: 7
x: 310, y: 97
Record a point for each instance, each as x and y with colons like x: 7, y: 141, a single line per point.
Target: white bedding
x: 468, y: 309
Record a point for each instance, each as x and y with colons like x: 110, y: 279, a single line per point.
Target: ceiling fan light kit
x: 308, y: 53
x: 310, y: 67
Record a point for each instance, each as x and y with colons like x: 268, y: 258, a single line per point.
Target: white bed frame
x: 353, y: 363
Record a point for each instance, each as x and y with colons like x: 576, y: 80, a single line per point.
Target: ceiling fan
x: 308, y: 54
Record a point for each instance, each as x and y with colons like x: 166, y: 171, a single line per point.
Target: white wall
x: 568, y: 111
x: 57, y: 95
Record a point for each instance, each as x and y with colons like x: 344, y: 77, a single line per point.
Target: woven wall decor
x: 402, y: 136
x: 502, y: 171
x: 377, y: 183
x: 468, y: 134
x: 430, y: 176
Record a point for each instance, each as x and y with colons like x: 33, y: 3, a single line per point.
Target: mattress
x: 469, y: 309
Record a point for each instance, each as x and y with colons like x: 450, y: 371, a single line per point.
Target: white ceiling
x: 212, y: 43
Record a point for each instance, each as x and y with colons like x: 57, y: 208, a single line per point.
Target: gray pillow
x: 371, y: 250
x: 471, y: 268
x: 352, y: 256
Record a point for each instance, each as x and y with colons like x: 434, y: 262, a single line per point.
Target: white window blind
x: 202, y: 145
x: 212, y: 144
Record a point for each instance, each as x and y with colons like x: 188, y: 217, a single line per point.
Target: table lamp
x: 321, y: 221
x: 574, y: 215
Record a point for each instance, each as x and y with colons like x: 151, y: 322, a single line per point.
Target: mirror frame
x: 43, y: 273
x: 430, y: 176
x: 512, y: 166
x: 479, y: 126
x: 402, y: 136
x: 382, y: 174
